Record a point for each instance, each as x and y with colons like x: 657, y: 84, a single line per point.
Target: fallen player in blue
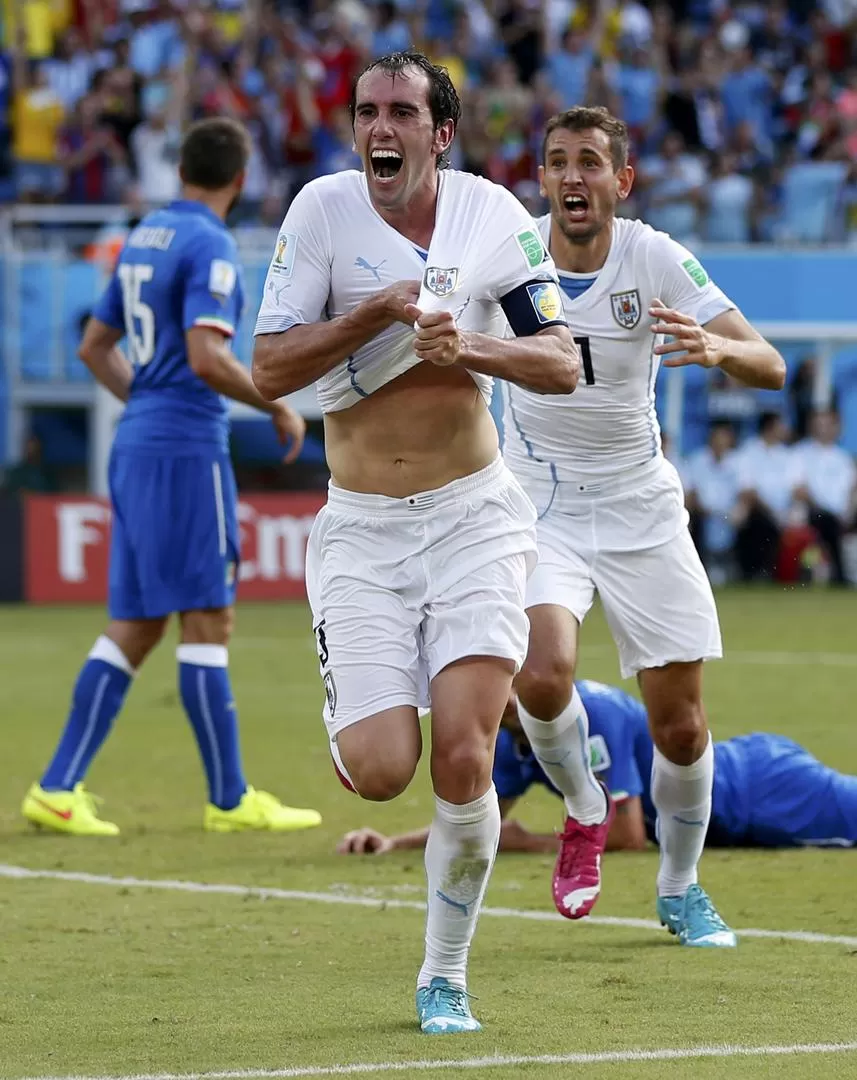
x: 769, y: 792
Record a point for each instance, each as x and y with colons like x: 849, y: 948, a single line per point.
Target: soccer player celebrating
x: 176, y: 298
x: 612, y: 517
x: 391, y: 287
x: 769, y: 792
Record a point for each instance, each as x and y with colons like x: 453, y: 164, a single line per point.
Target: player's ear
x: 624, y: 181
x: 443, y: 135
x: 541, y: 174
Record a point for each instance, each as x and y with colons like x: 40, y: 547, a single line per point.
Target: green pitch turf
x: 104, y: 980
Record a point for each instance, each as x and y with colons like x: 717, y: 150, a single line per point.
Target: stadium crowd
x: 782, y: 504
x: 744, y: 117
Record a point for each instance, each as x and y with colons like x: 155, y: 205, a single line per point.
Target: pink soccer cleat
x: 577, y: 874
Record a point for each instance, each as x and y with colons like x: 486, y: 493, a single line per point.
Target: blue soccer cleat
x: 444, y: 1009
x: 695, y: 920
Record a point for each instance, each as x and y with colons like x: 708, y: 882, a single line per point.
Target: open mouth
x: 386, y: 164
x: 576, y: 206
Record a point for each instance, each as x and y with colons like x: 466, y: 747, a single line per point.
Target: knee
x: 380, y: 783
x: 680, y: 731
x: 379, y: 779
x: 461, y: 771
x: 213, y: 627
x: 544, y: 686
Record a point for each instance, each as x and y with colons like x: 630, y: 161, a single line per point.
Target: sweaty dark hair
x: 586, y: 118
x: 443, y: 98
x: 214, y: 152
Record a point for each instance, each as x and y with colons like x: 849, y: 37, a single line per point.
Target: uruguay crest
x: 626, y: 308
x: 441, y: 282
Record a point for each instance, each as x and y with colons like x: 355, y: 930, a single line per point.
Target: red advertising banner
x: 67, y: 544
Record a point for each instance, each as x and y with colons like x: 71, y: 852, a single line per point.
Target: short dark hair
x: 585, y: 118
x: 443, y: 98
x: 213, y: 152
x: 768, y: 419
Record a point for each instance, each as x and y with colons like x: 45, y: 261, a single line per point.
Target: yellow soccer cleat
x: 71, y: 812
x: 259, y: 810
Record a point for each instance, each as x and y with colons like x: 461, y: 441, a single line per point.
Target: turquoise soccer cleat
x: 444, y: 1009
x: 695, y: 921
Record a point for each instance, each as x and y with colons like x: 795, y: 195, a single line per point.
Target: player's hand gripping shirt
x: 486, y: 263
x: 608, y: 425
x: 178, y: 269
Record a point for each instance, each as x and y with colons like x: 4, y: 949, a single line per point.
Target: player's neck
x: 585, y: 258
x: 416, y: 220
x: 218, y: 202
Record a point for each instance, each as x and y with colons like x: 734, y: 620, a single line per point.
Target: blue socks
x: 96, y: 700
x: 207, y: 698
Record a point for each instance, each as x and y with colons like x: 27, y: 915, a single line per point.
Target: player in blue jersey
x: 176, y: 298
x: 768, y: 791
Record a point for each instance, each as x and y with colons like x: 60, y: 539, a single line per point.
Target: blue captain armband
x: 533, y: 306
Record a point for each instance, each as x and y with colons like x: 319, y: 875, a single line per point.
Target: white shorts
x: 401, y: 588
x: 627, y: 538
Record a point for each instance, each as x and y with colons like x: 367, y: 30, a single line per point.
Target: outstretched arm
x: 727, y: 341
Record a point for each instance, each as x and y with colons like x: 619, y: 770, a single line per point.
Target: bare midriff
x: 421, y: 431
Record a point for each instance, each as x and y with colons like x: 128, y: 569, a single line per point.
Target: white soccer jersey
x: 609, y: 424
x: 334, y: 250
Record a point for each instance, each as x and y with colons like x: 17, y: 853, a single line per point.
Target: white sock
x: 682, y: 798
x: 460, y: 852
x: 561, y: 747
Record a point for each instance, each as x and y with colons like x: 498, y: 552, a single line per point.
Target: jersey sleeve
x: 523, y: 277
x: 110, y: 309
x: 213, y: 288
x: 297, y: 287
x: 683, y: 283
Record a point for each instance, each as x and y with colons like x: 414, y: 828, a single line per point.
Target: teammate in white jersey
x: 612, y: 517
x: 391, y: 288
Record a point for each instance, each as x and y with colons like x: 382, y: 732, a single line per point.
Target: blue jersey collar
x: 192, y: 206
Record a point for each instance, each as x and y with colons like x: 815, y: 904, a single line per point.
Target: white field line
x: 494, y: 1062
x: 21, y: 873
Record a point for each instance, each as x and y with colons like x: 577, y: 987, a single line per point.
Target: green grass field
x: 107, y: 979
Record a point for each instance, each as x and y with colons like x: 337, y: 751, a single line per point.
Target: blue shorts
x: 174, y: 542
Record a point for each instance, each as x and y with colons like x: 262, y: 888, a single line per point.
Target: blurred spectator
x: 391, y: 33
x: 746, y: 95
x: 728, y: 199
x: 70, y: 71
x: 155, y: 149
x: 569, y: 64
x: 637, y: 84
x: 828, y: 486
x: 30, y: 473
x: 846, y: 107
x: 672, y: 182
x: 801, y: 392
x: 92, y: 156
x: 712, y: 484
x: 768, y: 479
x: 520, y: 23
x: 37, y: 116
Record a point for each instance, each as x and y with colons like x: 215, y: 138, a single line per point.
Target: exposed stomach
x: 424, y: 429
